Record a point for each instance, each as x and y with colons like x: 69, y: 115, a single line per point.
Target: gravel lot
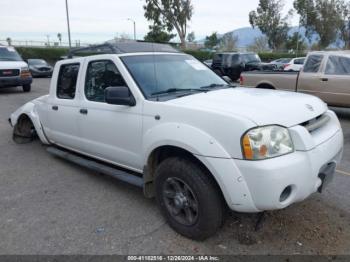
x: 49, y: 206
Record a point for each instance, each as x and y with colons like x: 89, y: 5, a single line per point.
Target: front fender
x: 184, y: 136
x: 210, y: 153
x: 29, y: 109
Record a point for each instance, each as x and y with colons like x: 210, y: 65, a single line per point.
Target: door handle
x: 83, y: 111
x: 55, y: 108
x: 323, y: 79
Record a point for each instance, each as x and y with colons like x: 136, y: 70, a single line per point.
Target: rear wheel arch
x: 265, y: 86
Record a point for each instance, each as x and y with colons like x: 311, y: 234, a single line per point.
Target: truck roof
x: 336, y: 52
x: 122, y: 48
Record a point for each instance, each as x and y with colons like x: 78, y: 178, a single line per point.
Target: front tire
x: 189, y: 198
x: 26, y: 88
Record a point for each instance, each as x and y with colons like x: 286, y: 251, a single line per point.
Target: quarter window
x: 100, y: 75
x: 67, y: 81
x: 313, y: 63
x: 338, y: 65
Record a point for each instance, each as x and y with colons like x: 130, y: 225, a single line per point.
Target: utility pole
x: 129, y: 19
x: 69, y: 39
x: 349, y: 34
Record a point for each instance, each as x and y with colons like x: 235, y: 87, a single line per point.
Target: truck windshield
x: 171, y: 74
x: 9, y: 54
x: 37, y: 62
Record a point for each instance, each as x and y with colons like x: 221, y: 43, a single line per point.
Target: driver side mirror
x: 119, y: 95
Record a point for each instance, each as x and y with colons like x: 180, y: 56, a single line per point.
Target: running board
x: 97, y: 166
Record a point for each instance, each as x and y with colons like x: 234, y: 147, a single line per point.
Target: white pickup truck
x: 160, y: 119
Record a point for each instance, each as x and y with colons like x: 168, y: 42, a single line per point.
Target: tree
x: 268, y: 18
x: 260, y: 44
x: 212, y: 40
x: 158, y: 34
x: 59, y: 36
x: 9, y: 41
x: 295, y: 42
x: 229, y: 42
x: 344, y: 27
x: 323, y: 17
x: 191, y: 37
x: 171, y: 13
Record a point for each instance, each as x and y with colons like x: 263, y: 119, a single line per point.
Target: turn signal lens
x: 25, y: 72
x: 248, y: 152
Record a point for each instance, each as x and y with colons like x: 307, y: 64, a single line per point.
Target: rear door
x: 336, y: 81
x: 63, y: 107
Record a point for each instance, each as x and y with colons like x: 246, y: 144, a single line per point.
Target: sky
x: 94, y: 21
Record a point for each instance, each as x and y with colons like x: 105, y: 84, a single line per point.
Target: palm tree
x: 59, y: 36
x: 9, y: 41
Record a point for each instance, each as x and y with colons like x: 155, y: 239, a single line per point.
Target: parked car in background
x: 281, y: 63
x: 13, y: 70
x: 295, y: 64
x: 40, y: 68
x: 325, y: 74
x: 232, y: 64
x: 160, y: 119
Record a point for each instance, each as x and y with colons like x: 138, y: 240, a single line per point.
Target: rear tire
x: 189, y: 198
x: 26, y: 88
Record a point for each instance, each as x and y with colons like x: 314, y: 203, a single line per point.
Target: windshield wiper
x: 175, y: 90
x: 212, y: 86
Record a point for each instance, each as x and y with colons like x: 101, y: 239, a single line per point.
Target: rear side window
x: 67, y: 81
x: 313, y: 63
x: 338, y: 65
x: 299, y: 61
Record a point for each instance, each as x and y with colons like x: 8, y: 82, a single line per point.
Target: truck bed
x: 270, y: 79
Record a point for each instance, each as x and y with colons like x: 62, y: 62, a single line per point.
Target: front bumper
x: 300, y: 173
x: 15, y: 81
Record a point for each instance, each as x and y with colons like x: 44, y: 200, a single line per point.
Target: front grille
x: 44, y: 69
x: 9, y: 72
x: 316, y: 123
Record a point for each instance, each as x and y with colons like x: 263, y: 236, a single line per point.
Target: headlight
x: 266, y: 142
x: 24, y: 69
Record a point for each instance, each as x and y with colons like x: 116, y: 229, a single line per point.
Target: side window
x: 338, y: 65
x: 313, y: 63
x: 67, y: 81
x: 299, y: 61
x: 100, y: 75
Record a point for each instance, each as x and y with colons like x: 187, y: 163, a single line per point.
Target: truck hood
x: 263, y: 107
x: 12, y: 64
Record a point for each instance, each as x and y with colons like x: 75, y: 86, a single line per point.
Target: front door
x: 310, y: 79
x: 110, y: 132
x: 336, y: 84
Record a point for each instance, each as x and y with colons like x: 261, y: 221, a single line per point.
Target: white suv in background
x: 13, y: 70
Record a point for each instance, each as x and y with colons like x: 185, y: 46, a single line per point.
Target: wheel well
x: 24, y: 130
x: 265, y: 86
x: 160, y: 154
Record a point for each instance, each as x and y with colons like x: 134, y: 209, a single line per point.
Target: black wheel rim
x: 180, y: 201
